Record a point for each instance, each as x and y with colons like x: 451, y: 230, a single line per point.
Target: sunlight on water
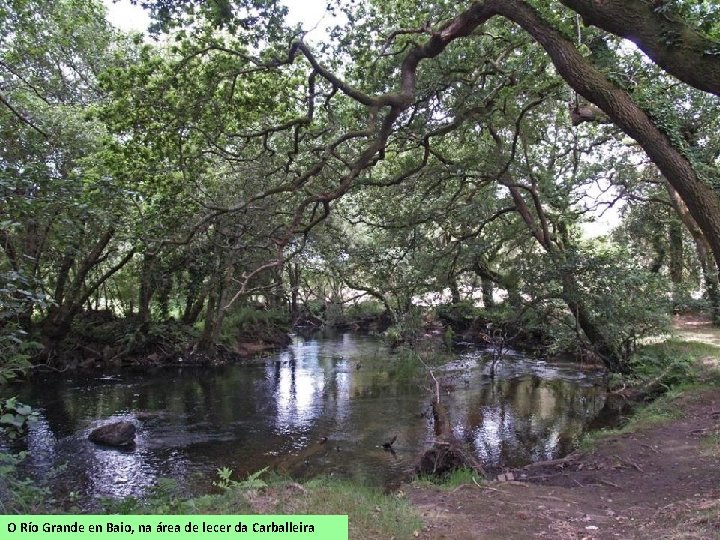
x: 341, y: 390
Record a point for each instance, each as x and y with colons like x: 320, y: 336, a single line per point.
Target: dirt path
x: 696, y: 328
x: 661, y: 482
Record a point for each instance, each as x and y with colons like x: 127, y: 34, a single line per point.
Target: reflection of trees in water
x: 523, y: 419
x: 246, y: 416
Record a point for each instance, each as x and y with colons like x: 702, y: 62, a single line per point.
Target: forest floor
x: 657, y: 478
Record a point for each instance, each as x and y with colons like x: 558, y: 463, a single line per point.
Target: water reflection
x: 193, y: 420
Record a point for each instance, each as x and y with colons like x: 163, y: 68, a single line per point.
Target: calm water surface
x: 194, y: 420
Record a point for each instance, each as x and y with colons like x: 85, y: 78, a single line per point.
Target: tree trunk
x: 223, y: 306
x: 206, y: 339
x: 660, y: 254
x: 146, y: 292
x: 669, y: 42
x: 676, y: 253
x: 488, y: 291
x: 294, y: 274
x: 707, y: 263
x: 454, y: 291
x: 702, y: 202
x: 191, y: 314
x: 59, y: 320
x: 571, y: 295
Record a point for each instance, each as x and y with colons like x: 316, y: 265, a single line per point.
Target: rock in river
x: 121, y: 434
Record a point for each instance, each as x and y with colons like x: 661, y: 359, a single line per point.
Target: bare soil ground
x: 661, y: 482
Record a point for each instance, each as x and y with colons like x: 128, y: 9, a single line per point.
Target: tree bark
x: 206, y: 339
x: 294, y: 274
x: 676, y: 253
x: 672, y: 44
x: 487, y: 293
x: 454, y: 291
x: 702, y: 202
x: 193, y: 309
x: 146, y: 292
x: 707, y: 264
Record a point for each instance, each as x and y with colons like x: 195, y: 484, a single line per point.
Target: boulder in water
x: 119, y: 434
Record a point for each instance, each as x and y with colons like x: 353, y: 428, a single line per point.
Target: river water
x: 348, y: 389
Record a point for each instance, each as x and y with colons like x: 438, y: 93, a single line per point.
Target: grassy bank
x: 372, y: 513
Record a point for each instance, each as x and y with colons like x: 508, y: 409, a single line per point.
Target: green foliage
x: 249, y: 321
x: 372, y: 514
x: 459, y: 316
x: 360, y: 311
x: 408, y: 328
x: 665, y: 373
x: 452, y: 480
x: 253, y: 481
x: 20, y: 495
x: 669, y: 364
x: 17, y: 300
x: 393, y: 336
x: 628, y: 302
x: 167, y: 336
x: 16, y: 417
x: 623, y: 301
x: 165, y: 497
x: 17, y: 351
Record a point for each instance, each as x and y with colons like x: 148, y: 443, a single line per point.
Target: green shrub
x: 20, y: 495
x: 251, y: 321
x: 459, y: 316
x: 16, y: 417
x: 364, y: 310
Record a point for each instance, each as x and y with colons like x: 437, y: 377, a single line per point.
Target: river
x: 348, y: 389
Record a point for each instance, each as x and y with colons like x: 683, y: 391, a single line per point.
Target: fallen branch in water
x: 448, y: 453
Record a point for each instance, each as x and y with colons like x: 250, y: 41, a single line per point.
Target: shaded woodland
x: 200, y: 190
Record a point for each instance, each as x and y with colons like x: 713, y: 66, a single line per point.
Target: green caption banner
x: 173, y: 527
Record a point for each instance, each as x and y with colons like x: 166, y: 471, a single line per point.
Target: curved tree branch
x: 672, y: 44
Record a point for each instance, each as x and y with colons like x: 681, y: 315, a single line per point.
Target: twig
x: 628, y: 462
x: 650, y: 448
x: 609, y: 483
x: 22, y: 118
x: 553, y: 462
x: 483, y: 487
x: 437, y: 387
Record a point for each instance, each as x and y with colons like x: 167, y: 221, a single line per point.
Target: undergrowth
x: 372, y: 513
x: 451, y: 481
x: 665, y: 373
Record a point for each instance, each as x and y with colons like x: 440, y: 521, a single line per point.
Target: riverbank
x: 658, y: 477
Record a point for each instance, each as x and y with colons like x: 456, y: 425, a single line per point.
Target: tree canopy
x: 417, y: 154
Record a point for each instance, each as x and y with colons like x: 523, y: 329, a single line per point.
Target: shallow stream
x: 192, y: 421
